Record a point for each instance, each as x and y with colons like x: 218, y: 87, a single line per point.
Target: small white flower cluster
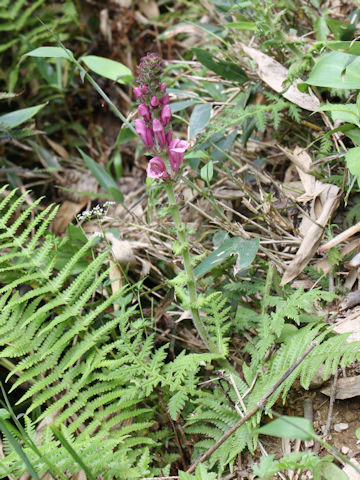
x: 97, y: 212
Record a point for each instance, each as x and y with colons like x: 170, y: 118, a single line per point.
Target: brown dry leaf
x: 149, y: 8
x: 105, y: 26
x: 274, y: 74
x: 299, y: 157
x: 66, y: 214
x: 325, y: 202
x: 351, y: 323
x: 115, y: 276
x: 323, y: 264
x: 46, y: 476
x: 123, y: 250
x: 81, y: 475
x: 59, y: 149
x: 347, y: 387
x: 351, y: 473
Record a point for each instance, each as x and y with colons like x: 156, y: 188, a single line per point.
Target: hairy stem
x: 198, y: 323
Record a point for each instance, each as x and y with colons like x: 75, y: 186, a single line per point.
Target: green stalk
x: 198, y: 323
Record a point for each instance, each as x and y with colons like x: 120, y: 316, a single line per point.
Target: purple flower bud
x: 176, y: 152
x: 137, y: 92
x: 165, y: 115
x: 165, y: 99
x: 144, y: 112
x: 168, y: 137
x: 154, y: 102
x: 144, y: 132
x: 145, y: 89
x: 159, y: 132
x: 156, y: 168
x: 163, y: 87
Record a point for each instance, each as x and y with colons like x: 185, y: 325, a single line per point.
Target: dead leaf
x: 105, y: 27
x: 274, y: 74
x: 66, y: 213
x: 347, y: 387
x: 351, y: 473
x: 149, y: 8
x: 299, y: 157
x: 81, y: 475
x: 59, y: 149
x: 115, y: 276
x: 349, y: 324
x: 325, y: 203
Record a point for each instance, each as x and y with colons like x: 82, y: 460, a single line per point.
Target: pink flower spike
x: 144, y: 132
x: 163, y: 87
x: 165, y: 99
x: 137, y: 92
x: 154, y: 102
x: 144, y: 112
x: 144, y: 89
x: 156, y: 168
x: 176, y: 152
x: 159, y: 132
x: 165, y: 115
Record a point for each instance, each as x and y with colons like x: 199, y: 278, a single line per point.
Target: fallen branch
x: 251, y: 412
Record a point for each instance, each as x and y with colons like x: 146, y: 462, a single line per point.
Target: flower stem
x: 198, y: 323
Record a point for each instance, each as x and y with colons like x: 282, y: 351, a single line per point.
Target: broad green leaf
x: 289, y: 427
x: 207, y: 172
x: 321, y: 28
x: 104, y: 179
x: 241, y: 25
x: 329, y: 471
x: 336, y: 70
x: 178, y: 106
x: 200, y: 117
x: 244, y: 250
x: 55, y: 52
x: 108, y: 68
x: 228, y: 70
x: 352, y: 160
x: 352, y: 48
x: 344, y: 112
x: 354, y: 134
x: 14, y: 119
x: 125, y: 135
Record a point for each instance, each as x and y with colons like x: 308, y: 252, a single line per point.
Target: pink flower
x: 176, y: 152
x: 156, y: 168
x: 159, y: 132
x: 144, y: 132
x: 165, y: 115
x: 154, y: 102
x: 145, y: 89
x: 165, y: 99
x: 144, y: 112
x: 163, y: 87
x: 137, y: 92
